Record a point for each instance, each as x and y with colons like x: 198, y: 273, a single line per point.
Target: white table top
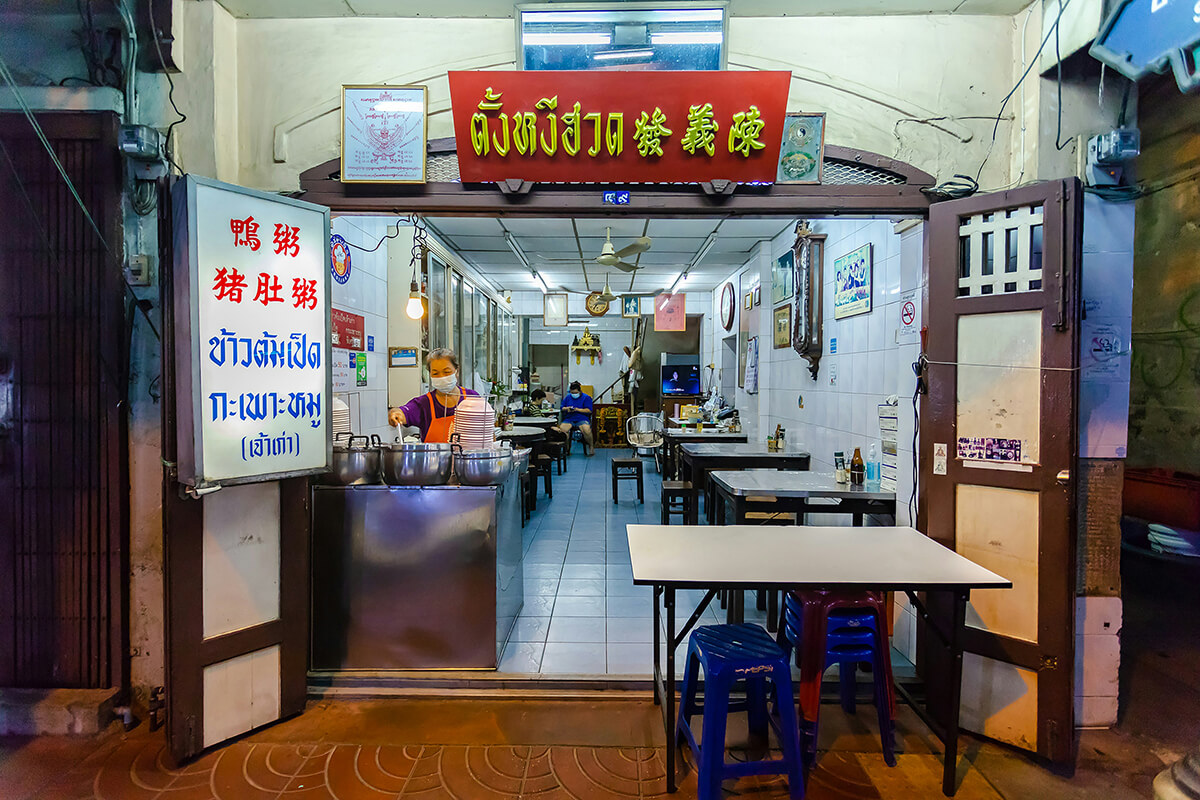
x: 521, y: 430
x: 535, y: 420
x: 741, y: 483
x: 731, y: 449
x: 882, y: 558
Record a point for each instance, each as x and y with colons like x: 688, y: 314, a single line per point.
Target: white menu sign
x: 383, y: 134
x: 252, y: 332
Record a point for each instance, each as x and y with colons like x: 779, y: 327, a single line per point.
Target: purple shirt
x: 416, y: 411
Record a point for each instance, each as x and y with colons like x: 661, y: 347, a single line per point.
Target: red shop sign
x: 347, y: 329
x: 618, y: 127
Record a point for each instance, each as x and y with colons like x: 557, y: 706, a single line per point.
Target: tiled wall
x: 366, y: 294
x: 872, y: 361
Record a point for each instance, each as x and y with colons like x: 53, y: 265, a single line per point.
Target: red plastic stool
x: 810, y: 623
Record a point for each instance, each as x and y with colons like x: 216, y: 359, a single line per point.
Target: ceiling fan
x: 610, y: 256
x: 605, y: 295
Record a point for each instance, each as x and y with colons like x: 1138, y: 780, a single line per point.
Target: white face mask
x: 575, y: 395
x: 445, y: 384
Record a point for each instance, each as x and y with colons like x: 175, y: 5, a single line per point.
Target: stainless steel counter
x: 411, y: 578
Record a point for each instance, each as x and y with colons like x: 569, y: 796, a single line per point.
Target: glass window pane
x: 1035, y: 247
x: 989, y: 252
x: 1010, y: 250
x: 436, y: 293
x: 684, y: 39
x: 481, y: 344
x: 466, y: 351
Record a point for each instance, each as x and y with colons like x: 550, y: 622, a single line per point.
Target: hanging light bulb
x: 415, y: 309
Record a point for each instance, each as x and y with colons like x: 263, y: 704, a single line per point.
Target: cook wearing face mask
x: 577, y: 413
x: 433, y: 413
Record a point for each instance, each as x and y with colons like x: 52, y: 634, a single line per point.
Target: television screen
x: 680, y: 379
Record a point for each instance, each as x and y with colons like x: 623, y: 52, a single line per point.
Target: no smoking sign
x: 908, y: 317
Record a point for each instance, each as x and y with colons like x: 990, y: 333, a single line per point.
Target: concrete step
x: 32, y: 712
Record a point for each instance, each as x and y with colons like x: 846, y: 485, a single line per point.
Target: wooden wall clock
x: 596, y: 305
x: 809, y: 250
x: 727, y: 304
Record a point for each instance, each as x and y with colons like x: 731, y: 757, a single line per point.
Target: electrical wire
x: 45, y: 142
x: 1004, y: 103
x: 919, y: 389
x: 170, y: 92
x: 1058, y: 65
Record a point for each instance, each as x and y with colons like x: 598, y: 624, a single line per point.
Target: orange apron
x: 440, y: 428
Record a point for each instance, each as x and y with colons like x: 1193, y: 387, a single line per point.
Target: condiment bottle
x: 858, y: 470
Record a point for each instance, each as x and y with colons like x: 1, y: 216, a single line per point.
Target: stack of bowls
x: 474, y: 424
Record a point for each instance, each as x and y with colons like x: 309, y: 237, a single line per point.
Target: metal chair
x: 645, y: 432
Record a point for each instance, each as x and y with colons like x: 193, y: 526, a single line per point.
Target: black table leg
x: 739, y: 510
x: 672, y: 741
x: 858, y: 519
x: 658, y: 590
x: 950, y: 766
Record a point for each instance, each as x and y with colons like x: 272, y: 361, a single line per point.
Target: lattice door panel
x: 1000, y: 252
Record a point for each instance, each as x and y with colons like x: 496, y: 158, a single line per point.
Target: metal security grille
x: 63, y: 468
x: 443, y: 168
x: 841, y: 173
x: 1000, y: 252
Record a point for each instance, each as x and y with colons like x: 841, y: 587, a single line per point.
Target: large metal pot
x: 416, y: 464
x: 521, y: 459
x: 483, y: 467
x: 355, y: 461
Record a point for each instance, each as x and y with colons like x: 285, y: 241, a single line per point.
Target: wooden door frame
x: 187, y: 651
x: 1062, y: 228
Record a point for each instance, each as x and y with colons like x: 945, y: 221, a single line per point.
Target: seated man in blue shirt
x: 577, y: 413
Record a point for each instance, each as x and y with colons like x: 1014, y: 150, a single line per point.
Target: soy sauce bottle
x: 858, y: 470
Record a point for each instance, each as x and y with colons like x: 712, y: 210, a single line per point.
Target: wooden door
x: 998, y: 450
x: 236, y: 581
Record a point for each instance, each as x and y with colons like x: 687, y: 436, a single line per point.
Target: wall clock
x: 596, y: 305
x: 727, y: 306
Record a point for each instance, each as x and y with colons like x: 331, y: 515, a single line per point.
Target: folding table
x: 792, y: 492
x: 700, y: 459
x: 740, y: 557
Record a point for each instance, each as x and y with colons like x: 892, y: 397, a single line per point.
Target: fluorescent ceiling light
x: 673, y: 15
x: 703, y: 251
x: 687, y: 37
x: 410, y: 106
x: 621, y: 55
x: 567, y: 38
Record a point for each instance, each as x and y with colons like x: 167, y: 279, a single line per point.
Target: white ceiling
x: 283, y: 9
x: 481, y: 243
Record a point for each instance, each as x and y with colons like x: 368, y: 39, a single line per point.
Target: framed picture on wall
x: 801, y: 149
x: 384, y: 134
x: 554, y: 310
x: 748, y: 300
x: 757, y: 295
x: 782, y: 276
x: 631, y: 306
x: 783, y: 326
x: 852, y: 283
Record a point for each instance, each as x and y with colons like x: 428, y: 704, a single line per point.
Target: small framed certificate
x: 384, y: 134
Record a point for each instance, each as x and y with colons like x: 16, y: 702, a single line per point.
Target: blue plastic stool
x: 729, y: 654
x: 853, y: 636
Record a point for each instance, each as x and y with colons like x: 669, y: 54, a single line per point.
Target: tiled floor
x: 583, y: 615
x: 445, y: 748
